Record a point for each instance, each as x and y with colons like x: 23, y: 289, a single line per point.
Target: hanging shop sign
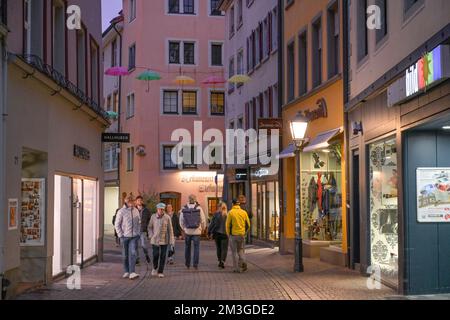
x: 81, y: 153
x: 32, y: 218
x: 433, y: 195
x: 116, y: 137
x: 241, y: 175
x: 320, y: 112
x: 270, y: 124
x: 432, y: 68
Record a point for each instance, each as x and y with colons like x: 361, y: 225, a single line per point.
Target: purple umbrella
x: 117, y: 71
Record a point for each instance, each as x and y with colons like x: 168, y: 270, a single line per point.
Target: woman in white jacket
x: 160, y: 233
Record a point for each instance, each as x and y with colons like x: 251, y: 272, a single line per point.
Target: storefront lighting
x: 326, y: 151
x: 446, y: 127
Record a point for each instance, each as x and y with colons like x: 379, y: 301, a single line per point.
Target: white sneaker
x: 125, y: 275
x: 134, y: 276
x: 160, y: 275
x: 154, y: 273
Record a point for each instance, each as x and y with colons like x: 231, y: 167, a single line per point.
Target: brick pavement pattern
x: 270, y: 277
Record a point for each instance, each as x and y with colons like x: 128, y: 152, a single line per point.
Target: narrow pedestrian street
x: 269, y: 277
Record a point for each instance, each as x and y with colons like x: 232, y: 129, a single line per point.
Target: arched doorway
x: 173, y: 198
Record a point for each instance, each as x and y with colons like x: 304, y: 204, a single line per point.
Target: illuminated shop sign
x: 426, y: 71
x: 432, y: 68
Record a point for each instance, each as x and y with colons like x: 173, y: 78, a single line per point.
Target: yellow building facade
x: 313, y: 83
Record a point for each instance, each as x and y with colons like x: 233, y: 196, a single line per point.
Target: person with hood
x: 193, y: 222
x: 217, y: 229
x: 128, y: 226
x: 160, y: 233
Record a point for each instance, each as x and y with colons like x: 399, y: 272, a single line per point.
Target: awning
x: 322, y: 140
x: 289, y: 152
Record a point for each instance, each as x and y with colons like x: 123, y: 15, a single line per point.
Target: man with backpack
x: 193, y: 222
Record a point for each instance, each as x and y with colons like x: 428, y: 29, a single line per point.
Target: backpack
x: 191, y: 217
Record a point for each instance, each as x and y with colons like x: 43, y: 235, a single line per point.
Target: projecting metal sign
x: 116, y: 137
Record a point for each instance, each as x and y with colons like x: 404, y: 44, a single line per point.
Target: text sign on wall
x: 81, y: 153
x: 116, y: 137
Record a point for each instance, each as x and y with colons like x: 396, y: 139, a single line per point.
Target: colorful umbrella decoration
x: 184, y: 80
x: 149, y: 76
x: 112, y: 115
x: 213, y: 81
x: 117, y: 71
x: 239, y: 78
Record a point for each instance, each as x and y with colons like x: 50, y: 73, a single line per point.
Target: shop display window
x: 383, y: 203
x: 321, y: 195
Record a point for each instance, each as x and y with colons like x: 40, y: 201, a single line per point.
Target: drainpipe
x: 280, y: 114
x: 119, y: 109
x: 3, y: 61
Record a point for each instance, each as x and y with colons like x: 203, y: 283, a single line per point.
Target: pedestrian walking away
x: 217, y: 230
x: 160, y: 232
x: 193, y: 222
x: 128, y: 226
x: 145, y: 219
x: 237, y: 226
x: 177, y: 232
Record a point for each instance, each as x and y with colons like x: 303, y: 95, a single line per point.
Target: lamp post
x: 298, y: 130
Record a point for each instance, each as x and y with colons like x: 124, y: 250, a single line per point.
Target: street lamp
x: 298, y: 130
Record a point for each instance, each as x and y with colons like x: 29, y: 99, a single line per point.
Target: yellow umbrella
x: 239, y: 78
x: 184, y: 80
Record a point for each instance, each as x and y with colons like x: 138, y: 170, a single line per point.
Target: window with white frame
x: 214, y: 8
x: 130, y: 105
x: 217, y: 103
x: 168, y: 164
x: 132, y: 10
x: 170, y: 102
x: 181, y: 6
x: 189, y: 102
x: 132, y: 57
x: 111, y: 157
x: 182, y: 52
x: 33, y: 27
x: 130, y: 159
x: 216, y: 54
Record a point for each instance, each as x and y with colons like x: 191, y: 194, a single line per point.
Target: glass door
x: 89, y: 219
x: 77, y: 221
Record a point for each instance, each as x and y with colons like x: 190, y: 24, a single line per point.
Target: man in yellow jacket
x: 237, y: 226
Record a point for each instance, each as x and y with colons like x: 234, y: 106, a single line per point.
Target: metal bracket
x: 27, y: 75
x: 55, y: 92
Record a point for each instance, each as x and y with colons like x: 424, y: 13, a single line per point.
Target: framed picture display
x: 433, y: 195
x: 13, y: 211
x: 32, y: 220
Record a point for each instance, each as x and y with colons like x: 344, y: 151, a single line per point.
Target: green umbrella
x: 112, y: 115
x: 149, y: 76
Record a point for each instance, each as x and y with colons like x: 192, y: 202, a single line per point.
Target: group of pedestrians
x: 134, y: 224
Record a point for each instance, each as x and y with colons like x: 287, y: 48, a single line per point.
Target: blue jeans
x: 187, y: 250
x: 129, y: 253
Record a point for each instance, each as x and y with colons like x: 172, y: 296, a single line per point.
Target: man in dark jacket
x: 176, y: 230
x: 145, y: 219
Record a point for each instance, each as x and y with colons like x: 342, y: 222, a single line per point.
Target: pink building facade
x: 171, y: 38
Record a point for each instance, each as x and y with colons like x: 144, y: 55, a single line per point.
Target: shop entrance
x: 266, y: 221
x: 172, y: 198
x: 355, y: 212
x: 427, y: 204
x: 75, y: 222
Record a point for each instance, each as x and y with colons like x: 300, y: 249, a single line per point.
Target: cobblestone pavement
x: 269, y: 277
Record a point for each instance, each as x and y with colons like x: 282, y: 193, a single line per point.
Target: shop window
x: 322, y: 194
x: 383, y: 203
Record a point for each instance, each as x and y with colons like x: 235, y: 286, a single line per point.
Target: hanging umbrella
x: 149, y: 76
x: 213, y: 81
x: 117, y: 71
x: 184, y: 80
x: 239, y: 78
x: 112, y: 115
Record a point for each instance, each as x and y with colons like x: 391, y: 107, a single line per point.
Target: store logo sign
x: 320, y: 112
x: 74, y: 19
x: 426, y: 71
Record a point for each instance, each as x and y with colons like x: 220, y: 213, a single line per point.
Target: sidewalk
x: 269, y: 277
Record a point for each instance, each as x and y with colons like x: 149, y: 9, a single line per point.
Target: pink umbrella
x: 213, y: 80
x: 117, y: 71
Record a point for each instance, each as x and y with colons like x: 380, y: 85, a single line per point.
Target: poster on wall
x: 433, y: 195
x: 32, y: 225
x: 13, y: 209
